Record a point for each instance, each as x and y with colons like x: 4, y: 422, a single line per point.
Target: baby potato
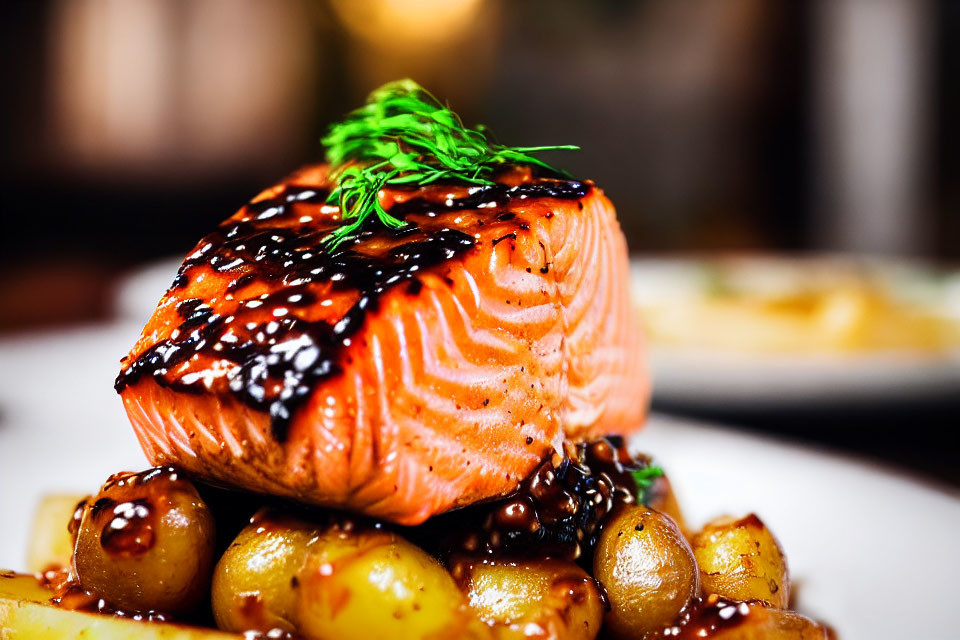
x: 648, y: 570
x: 374, y: 584
x: 544, y: 599
x: 255, y: 582
x: 29, y: 620
x: 740, y: 559
x: 145, y: 543
x: 340, y: 581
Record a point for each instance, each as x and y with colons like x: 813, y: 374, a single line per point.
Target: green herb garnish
x: 644, y: 479
x: 405, y: 136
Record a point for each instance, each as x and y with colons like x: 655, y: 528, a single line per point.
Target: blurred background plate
x: 727, y: 382
x: 762, y: 333
x: 853, y: 532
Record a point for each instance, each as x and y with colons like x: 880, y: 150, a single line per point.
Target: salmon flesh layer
x: 407, y: 372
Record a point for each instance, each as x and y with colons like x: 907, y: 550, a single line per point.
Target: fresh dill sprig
x: 644, y: 479
x: 405, y: 136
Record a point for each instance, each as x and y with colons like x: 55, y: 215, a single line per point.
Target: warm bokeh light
x: 421, y: 22
x: 195, y: 89
x: 450, y: 46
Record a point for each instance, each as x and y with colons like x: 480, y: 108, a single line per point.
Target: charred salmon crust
x: 405, y: 373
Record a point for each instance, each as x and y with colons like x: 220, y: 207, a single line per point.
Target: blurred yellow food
x: 24, y: 616
x: 22, y: 586
x: 798, y: 307
x: 51, y: 545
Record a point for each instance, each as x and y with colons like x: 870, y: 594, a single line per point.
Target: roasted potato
x: 51, y: 543
x: 27, y: 620
x: 545, y: 599
x: 374, y: 584
x: 336, y: 581
x: 146, y: 543
x: 25, y: 615
x: 742, y: 560
x: 648, y: 570
x: 255, y: 582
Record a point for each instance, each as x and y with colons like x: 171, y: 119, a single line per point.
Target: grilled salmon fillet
x: 407, y: 372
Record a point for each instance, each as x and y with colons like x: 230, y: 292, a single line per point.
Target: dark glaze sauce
x: 70, y: 595
x: 130, y: 531
x: 275, y: 357
x: 492, y: 196
x: 711, y: 615
x: 67, y: 593
x: 557, y: 510
x: 127, y: 512
x: 127, y: 508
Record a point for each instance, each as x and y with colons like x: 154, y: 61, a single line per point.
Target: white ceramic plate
x: 718, y: 380
x: 873, y: 553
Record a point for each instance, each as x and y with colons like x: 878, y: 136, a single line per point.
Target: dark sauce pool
x: 556, y: 511
x: 279, y: 271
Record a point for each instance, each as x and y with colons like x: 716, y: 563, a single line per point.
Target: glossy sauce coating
x: 127, y: 526
x: 145, y: 543
x: 275, y: 349
x: 556, y: 511
x: 407, y: 372
x: 718, y: 617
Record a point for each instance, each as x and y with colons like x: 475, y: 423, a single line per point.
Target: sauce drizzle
x: 273, y: 355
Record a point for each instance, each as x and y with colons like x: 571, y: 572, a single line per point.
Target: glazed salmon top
x: 406, y: 371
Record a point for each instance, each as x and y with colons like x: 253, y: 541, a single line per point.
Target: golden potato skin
x: 24, y: 619
x: 146, y: 543
x: 254, y: 584
x: 544, y: 599
x: 374, y: 584
x: 740, y: 559
x: 648, y: 570
x: 336, y: 580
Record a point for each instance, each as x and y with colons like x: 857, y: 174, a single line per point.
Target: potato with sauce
x: 648, y: 570
x: 544, y: 599
x: 255, y: 582
x: 742, y: 560
x: 374, y: 584
x: 146, y: 543
x: 336, y: 581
